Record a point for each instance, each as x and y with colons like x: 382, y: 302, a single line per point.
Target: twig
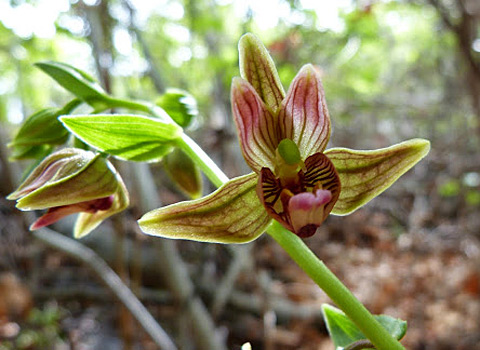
x: 241, y: 255
x: 153, y: 70
x: 174, y: 269
x: 121, y: 268
x: 89, y: 292
x: 111, y: 280
x: 284, y: 309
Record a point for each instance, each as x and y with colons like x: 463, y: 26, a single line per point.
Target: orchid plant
x: 295, y: 181
x: 295, y: 184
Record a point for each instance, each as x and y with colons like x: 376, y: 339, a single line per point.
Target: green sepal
x: 79, y: 83
x: 87, y: 222
x: 180, y: 106
x: 43, y: 127
x: 65, y: 160
x: 39, y: 128
x: 126, y: 136
x: 344, y: 332
x: 231, y: 214
x: 366, y: 174
x: 258, y: 68
x: 83, y: 176
x: 30, y: 152
x: 184, y: 173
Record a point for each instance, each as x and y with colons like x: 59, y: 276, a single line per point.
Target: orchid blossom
x: 72, y: 181
x: 295, y: 180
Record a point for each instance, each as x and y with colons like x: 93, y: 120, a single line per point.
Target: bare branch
x: 111, y: 280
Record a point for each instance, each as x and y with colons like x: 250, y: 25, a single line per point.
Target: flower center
x: 299, y: 194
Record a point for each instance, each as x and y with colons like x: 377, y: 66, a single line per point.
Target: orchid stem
x: 334, y: 288
x: 198, y: 155
x: 294, y: 246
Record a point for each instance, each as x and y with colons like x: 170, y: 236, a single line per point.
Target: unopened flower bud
x: 73, y: 181
x: 184, y: 173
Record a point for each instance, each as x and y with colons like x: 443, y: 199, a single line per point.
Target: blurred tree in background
x: 392, y: 70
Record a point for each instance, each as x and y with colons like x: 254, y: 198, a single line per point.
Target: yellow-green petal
x: 231, y: 214
x: 366, y: 174
x: 258, y: 68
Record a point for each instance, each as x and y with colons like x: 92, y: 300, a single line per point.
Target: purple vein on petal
x: 255, y: 124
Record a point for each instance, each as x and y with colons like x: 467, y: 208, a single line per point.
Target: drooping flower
x: 295, y: 181
x: 73, y: 181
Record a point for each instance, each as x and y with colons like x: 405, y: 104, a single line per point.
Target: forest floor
x: 431, y: 280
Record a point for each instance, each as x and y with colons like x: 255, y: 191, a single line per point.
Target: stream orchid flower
x: 295, y: 180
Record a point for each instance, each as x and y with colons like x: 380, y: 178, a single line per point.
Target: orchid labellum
x: 295, y: 180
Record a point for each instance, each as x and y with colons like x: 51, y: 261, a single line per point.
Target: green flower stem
x: 198, y: 155
x: 128, y: 104
x: 292, y: 244
x: 334, y: 288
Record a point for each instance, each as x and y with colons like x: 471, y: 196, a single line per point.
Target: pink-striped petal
x: 304, y: 117
x: 257, y: 127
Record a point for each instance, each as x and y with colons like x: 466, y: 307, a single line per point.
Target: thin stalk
x: 334, y: 288
x: 198, y: 155
x: 134, y: 105
x: 87, y: 256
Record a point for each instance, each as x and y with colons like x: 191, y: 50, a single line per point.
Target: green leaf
x: 344, y: 332
x: 77, y: 82
x: 258, y: 68
x: 366, y: 174
x: 39, y: 128
x: 129, y: 137
x: 231, y: 214
x: 30, y: 152
x: 180, y: 106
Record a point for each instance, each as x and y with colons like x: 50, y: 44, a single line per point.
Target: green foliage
x: 42, y: 330
x: 129, y: 137
x: 79, y: 83
x: 449, y: 188
x: 40, y: 131
x: 33, y: 130
x: 344, y: 332
x: 472, y: 197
